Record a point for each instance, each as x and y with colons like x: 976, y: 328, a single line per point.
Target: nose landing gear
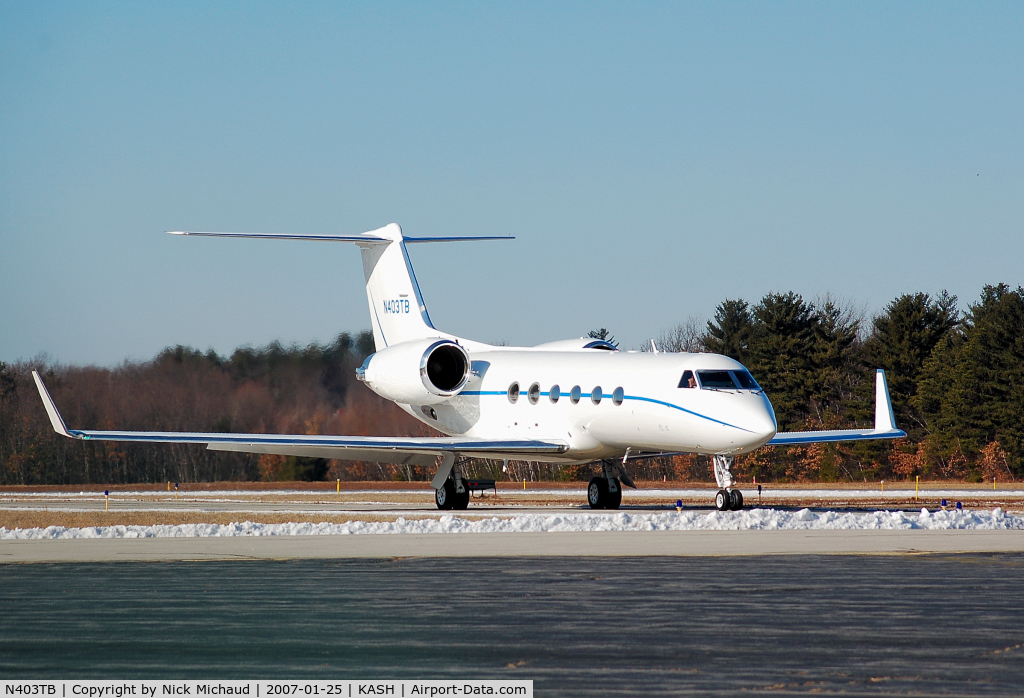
x: 727, y: 497
x: 727, y: 500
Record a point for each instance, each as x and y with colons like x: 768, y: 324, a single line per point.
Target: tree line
x: 956, y: 380
x: 273, y: 389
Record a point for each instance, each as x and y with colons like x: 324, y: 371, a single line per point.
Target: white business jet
x: 572, y: 401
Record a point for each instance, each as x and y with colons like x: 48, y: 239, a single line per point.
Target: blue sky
x: 652, y: 161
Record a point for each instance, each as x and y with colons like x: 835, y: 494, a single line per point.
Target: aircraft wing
x: 380, y: 449
x: 885, y: 424
x: 796, y: 438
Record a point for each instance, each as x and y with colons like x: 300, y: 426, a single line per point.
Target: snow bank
x: 902, y: 491
x: 771, y: 493
x: 753, y: 519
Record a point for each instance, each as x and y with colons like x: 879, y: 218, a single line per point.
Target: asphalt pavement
x: 873, y: 625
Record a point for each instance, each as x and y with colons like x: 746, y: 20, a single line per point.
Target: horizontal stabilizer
x: 365, y: 238
x: 398, y: 312
x: 464, y: 238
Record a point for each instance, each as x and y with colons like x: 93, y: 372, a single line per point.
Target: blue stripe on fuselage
x: 638, y: 398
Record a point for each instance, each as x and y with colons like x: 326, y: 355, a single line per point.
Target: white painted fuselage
x: 602, y: 403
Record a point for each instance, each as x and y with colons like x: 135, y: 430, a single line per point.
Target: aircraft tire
x: 597, y: 493
x: 722, y: 500
x: 460, y: 501
x: 444, y: 496
x: 737, y: 500
x: 614, y: 499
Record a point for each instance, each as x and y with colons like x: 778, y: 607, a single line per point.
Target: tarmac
x: 481, y: 545
x: 839, y: 625
x: 646, y: 613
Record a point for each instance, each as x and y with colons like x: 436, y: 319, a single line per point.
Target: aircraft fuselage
x: 602, y: 403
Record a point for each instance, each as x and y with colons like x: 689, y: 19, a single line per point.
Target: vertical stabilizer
x: 397, y: 311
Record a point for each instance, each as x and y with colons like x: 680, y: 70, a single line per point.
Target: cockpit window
x: 687, y: 381
x: 710, y: 380
x: 746, y: 381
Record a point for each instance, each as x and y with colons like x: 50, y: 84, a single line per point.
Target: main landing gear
x: 453, y: 494
x: 603, y: 493
x: 727, y: 497
x: 605, y: 490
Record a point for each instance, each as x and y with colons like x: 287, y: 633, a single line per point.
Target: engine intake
x: 420, y: 372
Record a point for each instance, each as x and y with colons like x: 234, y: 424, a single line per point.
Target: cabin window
x: 533, y: 393
x: 746, y: 380
x: 618, y: 395
x: 687, y: 381
x: 595, y: 395
x: 554, y: 393
x: 513, y: 393
x: 716, y: 380
x: 574, y: 394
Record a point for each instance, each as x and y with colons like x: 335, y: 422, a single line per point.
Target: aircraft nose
x: 761, y: 420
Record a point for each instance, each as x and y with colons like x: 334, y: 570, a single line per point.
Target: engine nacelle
x: 420, y: 372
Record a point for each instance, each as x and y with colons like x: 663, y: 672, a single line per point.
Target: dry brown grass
x: 88, y: 519
x: 510, y: 499
x: 325, y: 488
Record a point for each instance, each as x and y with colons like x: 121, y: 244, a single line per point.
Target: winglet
x: 51, y: 409
x: 884, y: 418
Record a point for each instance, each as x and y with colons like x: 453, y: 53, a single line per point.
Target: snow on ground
x: 667, y: 494
x: 820, y: 494
x: 753, y: 519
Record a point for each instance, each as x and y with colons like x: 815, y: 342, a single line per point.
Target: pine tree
x: 604, y: 335
x: 971, y: 390
x: 903, y: 337
x: 781, y: 354
x: 729, y: 333
x: 834, y: 362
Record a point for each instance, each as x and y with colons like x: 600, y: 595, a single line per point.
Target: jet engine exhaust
x: 446, y: 368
